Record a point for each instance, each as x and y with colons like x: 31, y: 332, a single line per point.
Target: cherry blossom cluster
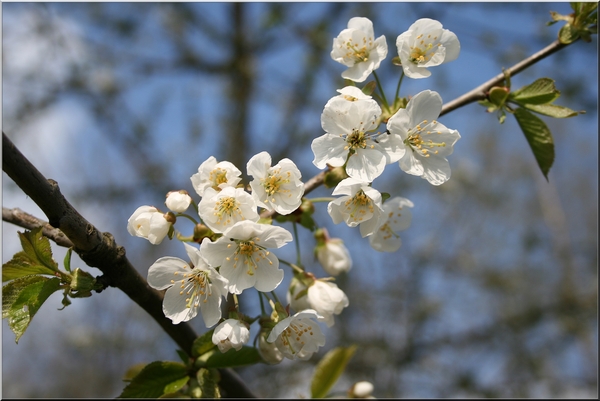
x: 231, y: 249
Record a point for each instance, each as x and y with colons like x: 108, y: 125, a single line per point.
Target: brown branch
x: 480, y: 92
x: 98, y: 249
x: 19, y: 218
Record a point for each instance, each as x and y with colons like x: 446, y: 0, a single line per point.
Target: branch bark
x: 97, y: 249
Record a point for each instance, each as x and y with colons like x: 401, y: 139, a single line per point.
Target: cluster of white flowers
x: 235, y: 244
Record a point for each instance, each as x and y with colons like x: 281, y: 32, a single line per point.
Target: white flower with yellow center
x: 216, y: 175
x: 425, y: 142
x: 424, y: 45
x: 361, y: 205
x: 351, y: 136
x: 357, y: 48
x: 352, y: 94
x: 221, y: 210
x: 396, y: 217
x: 189, y: 288
x: 298, y: 336
x: 277, y: 188
x: 244, y: 257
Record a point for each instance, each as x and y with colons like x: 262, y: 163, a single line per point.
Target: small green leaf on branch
x: 539, y: 138
x: 155, y: 379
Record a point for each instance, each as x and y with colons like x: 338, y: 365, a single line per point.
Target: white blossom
x: 278, y: 188
x: 221, y: 210
x: 424, y: 45
x: 188, y: 288
x: 351, y: 136
x: 216, y: 175
x: 268, y: 351
x: 243, y: 256
x: 298, y: 336
x: 425, y: 142
x: 178, y: 201
x: 395, y: 218
x: 334, y: 256
x: 323, y: 296
x: 352, y: 94
x: 361, y: 205
x: 357, y: 49
x: 231, y: 333
x: 150, y: 223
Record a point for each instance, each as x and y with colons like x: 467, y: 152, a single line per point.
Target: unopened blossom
x: 324, y: 297
x: 216, y: 175
x: 150, y: 223
x: 268, y: 351
x: 332, y: 253
x: 222, y: 209
x: 231, y: 333
x: 351, y: 135
x: 425, y: 142
x: 277, y: 188
x: 396, y: 217
x: 362, y: 389
x: 189, y: 288
x: 244, y: 257
x: 356, y: 48
x: 178, y: 201
x: 424, y: 45
x: 298, y: 336
x: 361, y: 205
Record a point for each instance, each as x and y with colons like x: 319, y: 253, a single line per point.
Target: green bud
x: 333, y: 177
x: 82, y: 283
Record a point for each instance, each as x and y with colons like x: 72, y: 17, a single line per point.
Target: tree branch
x: 97, y: 249
x: 480, y: 92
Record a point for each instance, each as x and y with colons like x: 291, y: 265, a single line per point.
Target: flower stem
x: 293, y: 266
x: 187, y: 217
x: 385, y: 102
x: 298, y: 255
x: 398, y: 87
x: 322, y: 199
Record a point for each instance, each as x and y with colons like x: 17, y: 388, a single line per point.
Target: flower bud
x: 268, y: 351
x: 333, y: 256
x: 178, y: 201
x: 150, y: 223
x: 362, y: 389
x: 232, y: 333
x: 333, y: 177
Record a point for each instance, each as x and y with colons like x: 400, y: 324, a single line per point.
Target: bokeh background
x: 494, y: 291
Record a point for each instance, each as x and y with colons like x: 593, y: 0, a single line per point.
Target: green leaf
x: 203, y: 344
x: 539, y: 92
x: 155, y: 379
x: 329, y: 369
x: 568, y: 34
x: 23, y: 297
x: 539, y: 137
x: 551, y: 110
x: 67, y: 261
x: 498, y: 95
x: 21, y: 265
x: 37, y: 247
x: 232, y: 358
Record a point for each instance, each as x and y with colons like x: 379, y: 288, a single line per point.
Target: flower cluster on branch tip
x: 231, y: 247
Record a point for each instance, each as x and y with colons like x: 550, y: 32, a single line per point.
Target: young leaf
x: 203, y: 344
x: 23, y: 297
x: 155, y: 379
x: 22, y: 265
x: 37, y: 247
x: 232, y: 358
x: 551, y: 110
x: 539, y: 137
x: 541, y: 91
x: 208, y: 380
x: 329, y: 369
